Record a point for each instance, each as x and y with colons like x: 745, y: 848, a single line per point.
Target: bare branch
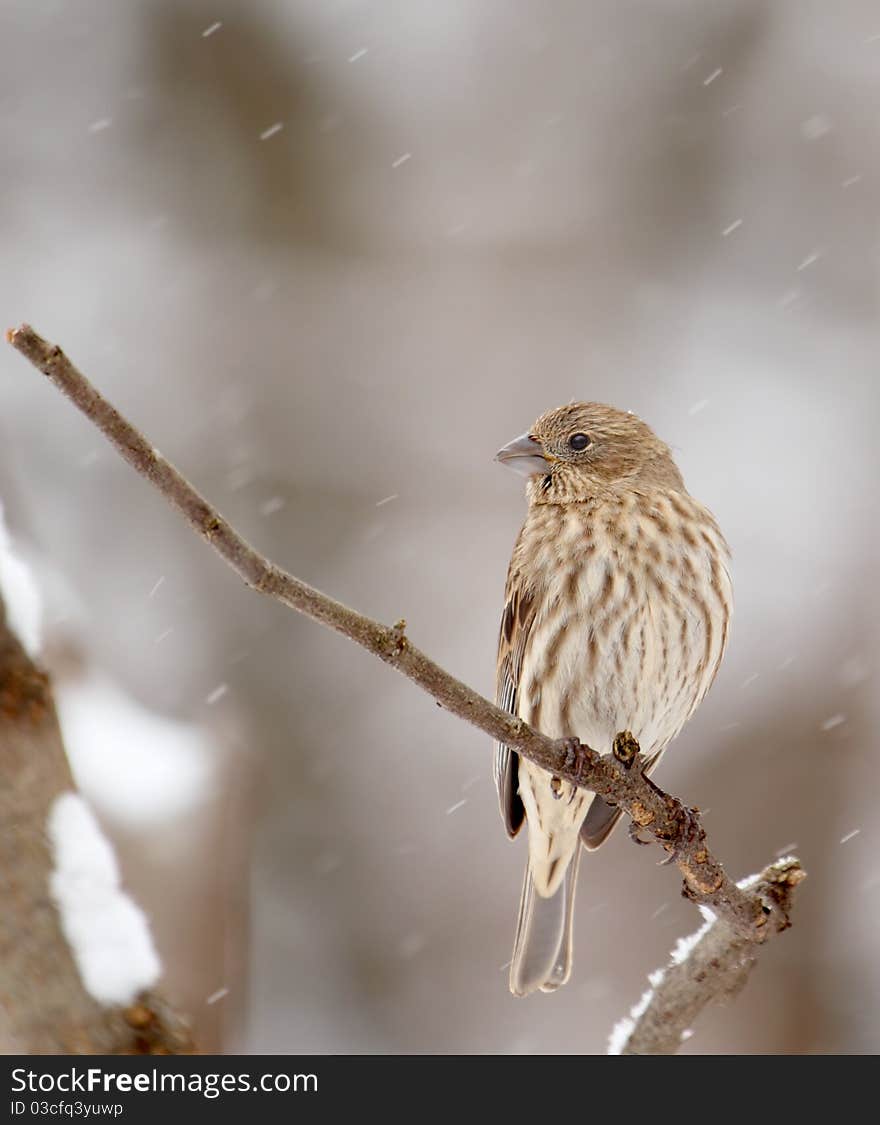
x: 617, y: 778
x: 44, y: 1008
x: 711, y: 966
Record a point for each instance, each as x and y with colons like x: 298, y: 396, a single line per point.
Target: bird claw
x: 573, y: 755
x: 690, y: 829
x: 634, y: 830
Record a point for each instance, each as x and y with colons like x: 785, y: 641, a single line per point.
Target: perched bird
x: 616, y: 616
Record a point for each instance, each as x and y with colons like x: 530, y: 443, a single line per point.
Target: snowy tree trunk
x: 44, y: 1006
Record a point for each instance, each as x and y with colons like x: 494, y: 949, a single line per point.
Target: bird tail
x: 542, y: 949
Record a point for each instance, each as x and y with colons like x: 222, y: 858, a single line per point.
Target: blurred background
x: 330, y: 255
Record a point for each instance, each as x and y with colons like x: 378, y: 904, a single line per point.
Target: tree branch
x: 710, y: 966
x: 44, y: 1008
x: 617, y: 778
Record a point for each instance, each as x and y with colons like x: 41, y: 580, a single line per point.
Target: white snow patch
x: 21, y: 597
x: 217, y: 694
x: 107, y: 931
x: 810, y: 260
x: 136, y: 766
x: 816, y: 126
x: 272, y: 505
x: 684, y: 947
x: 624, y: 1028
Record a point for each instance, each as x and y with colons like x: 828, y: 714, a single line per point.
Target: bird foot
x: 634, y: 829
x: 689, y: 831
x: 574, y: 757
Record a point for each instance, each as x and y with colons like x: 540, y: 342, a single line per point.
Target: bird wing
x: 516, y: 623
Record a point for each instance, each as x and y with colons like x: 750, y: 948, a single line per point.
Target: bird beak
x: 524, y: 455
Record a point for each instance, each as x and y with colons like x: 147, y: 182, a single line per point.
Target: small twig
x: 711, y: 966
x: 675, y: 826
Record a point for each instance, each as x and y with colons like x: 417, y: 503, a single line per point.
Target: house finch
x: 616, y: 616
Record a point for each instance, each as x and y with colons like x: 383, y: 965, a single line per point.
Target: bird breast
x: 633, y: 600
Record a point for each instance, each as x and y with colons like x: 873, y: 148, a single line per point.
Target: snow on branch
x: 24, y: 609
x: 76, y: 959
x: 617, y: 778
x: 106, y: 930
x: 710, y: 965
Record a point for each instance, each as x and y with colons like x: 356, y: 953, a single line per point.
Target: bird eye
x: 577, y: 442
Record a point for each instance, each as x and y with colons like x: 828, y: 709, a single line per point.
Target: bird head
x: 585, y: 449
